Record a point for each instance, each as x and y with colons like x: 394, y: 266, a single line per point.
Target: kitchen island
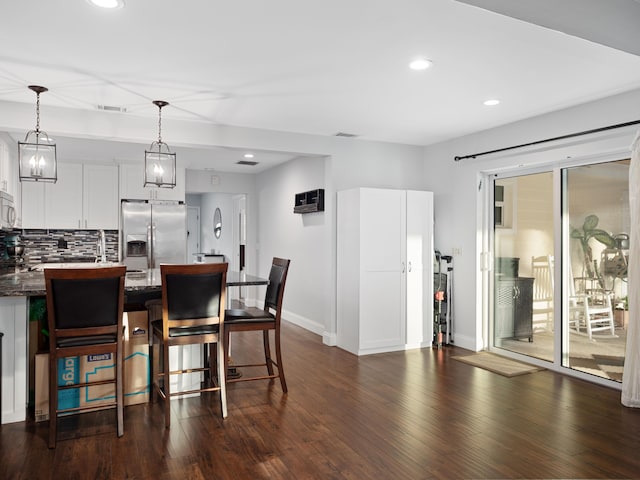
x: 15, y: 291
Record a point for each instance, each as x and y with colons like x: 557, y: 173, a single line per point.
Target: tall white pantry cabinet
x: 384, y: 270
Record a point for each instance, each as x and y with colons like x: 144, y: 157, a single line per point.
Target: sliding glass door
x: 596, y: 213
x: 559, y: 281
x: 523, y: 268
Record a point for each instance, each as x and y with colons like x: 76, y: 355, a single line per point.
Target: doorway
x: 559, y: 276
x: 193, y: 233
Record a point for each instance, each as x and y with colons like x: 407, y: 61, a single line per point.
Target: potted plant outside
x: 588, y: 231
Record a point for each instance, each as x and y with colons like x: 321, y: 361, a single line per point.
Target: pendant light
x: 159, y: 162
x: 37, y: 154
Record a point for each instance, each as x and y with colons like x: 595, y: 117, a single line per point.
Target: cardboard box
x: 68, y: 373
x: 98, y: 367
x: 137, y: 374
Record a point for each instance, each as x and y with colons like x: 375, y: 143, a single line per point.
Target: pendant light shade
x: 159, y: 162
x: 37, y: 154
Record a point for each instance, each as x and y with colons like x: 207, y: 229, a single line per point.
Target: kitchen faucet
x: 101, y: 247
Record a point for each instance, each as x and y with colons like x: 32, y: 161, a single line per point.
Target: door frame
x: 561, y: 237
x: 193, y: 212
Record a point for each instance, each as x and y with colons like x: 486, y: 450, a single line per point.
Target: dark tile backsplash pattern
x: 42, y: 246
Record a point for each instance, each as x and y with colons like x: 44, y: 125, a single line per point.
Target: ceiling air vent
x: 346, y: 135
x: 111, y: 108
x: 247, y: 162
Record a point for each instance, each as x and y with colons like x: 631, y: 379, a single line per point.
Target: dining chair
x: 543, y: 308
x: 591, y: 312
x: 193, y: 300
x: 264, y: 319
x: 590, y: 308
x: 84, y: 311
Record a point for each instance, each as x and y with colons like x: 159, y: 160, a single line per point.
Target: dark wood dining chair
x: 264, y: 319
x: 84, y: 308
x: 193, y: 300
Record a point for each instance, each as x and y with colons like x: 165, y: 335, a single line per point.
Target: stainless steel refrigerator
x: 152, y: 233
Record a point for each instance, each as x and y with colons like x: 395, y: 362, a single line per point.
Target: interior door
x: 193, y: 233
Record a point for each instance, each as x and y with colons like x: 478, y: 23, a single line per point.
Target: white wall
x: 199, y: 182
x: 208, y: 241
x: 301, y: 238
x: 458, y: 194
x: 348, y: 163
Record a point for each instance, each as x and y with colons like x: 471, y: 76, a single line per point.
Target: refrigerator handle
x: 150, y: 241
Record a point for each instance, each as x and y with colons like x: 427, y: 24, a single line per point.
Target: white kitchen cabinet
x: 63, y: 199
x: 9, y: 182
x: 85, y: 196
x: 100, y: 202
x: 132, y: 185
x: 6, y: 170
x: 384, y: 270
x: 13, y: 323
x: 9, y: 173
x: 33, y: 205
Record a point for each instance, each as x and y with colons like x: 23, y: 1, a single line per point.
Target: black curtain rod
x: 562, y: 137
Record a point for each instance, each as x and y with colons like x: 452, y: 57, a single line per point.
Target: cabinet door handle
x: 516, y: 291
x: 402, y: 267
x: 409, y: 268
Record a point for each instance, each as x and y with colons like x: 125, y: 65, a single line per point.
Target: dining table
x: 151, y: 279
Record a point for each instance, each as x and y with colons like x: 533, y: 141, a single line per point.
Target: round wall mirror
x: 217, y: 223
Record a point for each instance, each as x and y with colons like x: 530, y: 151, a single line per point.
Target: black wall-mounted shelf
x: 309, y: 202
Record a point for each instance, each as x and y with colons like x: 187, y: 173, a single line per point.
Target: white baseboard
x: 463, y: 341
x: 330, y: 339
x: 306, y: 323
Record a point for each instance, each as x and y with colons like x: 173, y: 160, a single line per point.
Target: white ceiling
x: 312, y: 67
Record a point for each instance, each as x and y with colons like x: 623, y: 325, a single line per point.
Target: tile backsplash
x: 43, y: 246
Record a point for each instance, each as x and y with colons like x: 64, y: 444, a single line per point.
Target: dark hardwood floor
x: 406, y: 415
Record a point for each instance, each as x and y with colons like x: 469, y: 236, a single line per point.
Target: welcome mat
x: 497, y: 364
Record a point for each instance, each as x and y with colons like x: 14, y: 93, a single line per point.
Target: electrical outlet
x: 456, y: 252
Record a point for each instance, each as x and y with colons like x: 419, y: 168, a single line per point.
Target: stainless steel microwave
x: 7, y: 211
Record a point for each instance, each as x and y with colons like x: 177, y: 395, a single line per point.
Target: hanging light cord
x: 159, y: 124
x: 37, y: 113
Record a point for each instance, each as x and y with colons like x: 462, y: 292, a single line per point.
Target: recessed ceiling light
x: 492, y: 102
x: 248, y: 155
x: 420, y: 64
x: 110, y: 4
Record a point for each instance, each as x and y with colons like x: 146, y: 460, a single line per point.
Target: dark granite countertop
x: 30, y: 284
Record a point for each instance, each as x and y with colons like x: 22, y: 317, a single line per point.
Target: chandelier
x: 37, y: 154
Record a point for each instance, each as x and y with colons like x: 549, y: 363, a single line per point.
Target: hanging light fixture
x: 37, y: 154
x: 159, y: 162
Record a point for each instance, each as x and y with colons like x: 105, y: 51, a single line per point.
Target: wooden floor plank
x: 414, y: 415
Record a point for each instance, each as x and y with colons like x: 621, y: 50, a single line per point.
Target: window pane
x: 523, y: 271
x: 596, y: 203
